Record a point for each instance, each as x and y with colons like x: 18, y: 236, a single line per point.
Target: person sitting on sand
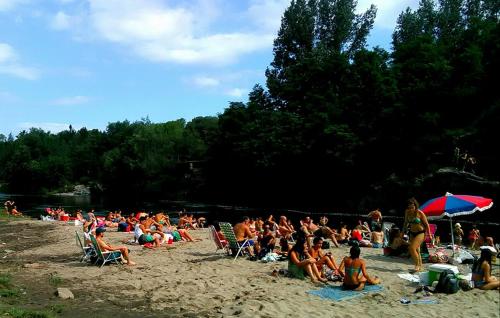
x: 201, y: 221
x: 242, y: 232
x: 313, y: 230
x: 9, y: 205
x: 109, y: 220
x: 284, y: 228
x: 105, y: 247
x: 377, y: 237
x: 343, y: 235
x: 375, y: 217
x: 259, y: 225
x: 266, y: 241
x: 300, y: 263
x: 481, y: 270
x: 79, y: 216
x: 15, y: 212
x: 321, y: 257
x: 352, y: 266
x: 144, y: 235
x: 397, y: 243
x: 357, y: 238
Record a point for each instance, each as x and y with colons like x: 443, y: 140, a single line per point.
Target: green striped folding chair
x: 105, y: 257
x: 227, y: 230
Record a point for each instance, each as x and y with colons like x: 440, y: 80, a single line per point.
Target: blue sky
x: 91, y: 62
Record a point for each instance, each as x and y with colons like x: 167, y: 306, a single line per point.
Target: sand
x: 191, y: 280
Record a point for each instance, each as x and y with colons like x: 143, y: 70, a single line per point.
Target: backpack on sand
x: 447, y: 283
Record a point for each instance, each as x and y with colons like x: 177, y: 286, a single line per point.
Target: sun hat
x: 457, y: 225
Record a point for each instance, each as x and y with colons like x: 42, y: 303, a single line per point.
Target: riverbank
x: 190, y: 280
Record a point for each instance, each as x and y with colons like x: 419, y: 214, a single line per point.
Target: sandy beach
x: 190, y: 280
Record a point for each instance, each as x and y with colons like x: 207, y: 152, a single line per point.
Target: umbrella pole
x: 452, y: 239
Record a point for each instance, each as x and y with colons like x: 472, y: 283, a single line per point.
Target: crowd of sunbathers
x: 151, y: 230
x: 304, y: 248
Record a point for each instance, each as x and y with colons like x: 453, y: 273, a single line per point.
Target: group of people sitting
x: 150, y: 230
x: 11, y: 209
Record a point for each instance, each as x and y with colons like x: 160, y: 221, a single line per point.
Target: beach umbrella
x: 452, y: 205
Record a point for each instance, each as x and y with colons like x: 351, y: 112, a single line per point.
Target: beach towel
x: 414, y: 278
x: 336, y: 293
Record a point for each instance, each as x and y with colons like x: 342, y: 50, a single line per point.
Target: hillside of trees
x: 337, y: 125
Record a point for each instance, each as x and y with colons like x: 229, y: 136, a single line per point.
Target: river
x: 35, y: 205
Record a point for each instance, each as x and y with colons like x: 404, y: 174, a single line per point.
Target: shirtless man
x: 105, y: 247
x: 319, y: 231
x: 242, y: 232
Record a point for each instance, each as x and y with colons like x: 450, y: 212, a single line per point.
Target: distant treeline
x: 337, y: 125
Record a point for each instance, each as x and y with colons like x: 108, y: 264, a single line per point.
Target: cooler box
x: 64, y: 218
x: 436, y: 269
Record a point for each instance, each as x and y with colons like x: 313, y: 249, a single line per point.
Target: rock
x: 65, y: 293
x: 8, y: 251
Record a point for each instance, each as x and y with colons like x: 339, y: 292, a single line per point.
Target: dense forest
x: 337, y: 125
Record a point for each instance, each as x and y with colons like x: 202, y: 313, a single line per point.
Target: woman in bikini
x: 300, y: 263
x: 481, y: 270
x: 417, y: 222
x: 353, y: 267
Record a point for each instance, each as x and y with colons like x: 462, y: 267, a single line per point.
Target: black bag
x: 326, y: 245
x: 447, y: 283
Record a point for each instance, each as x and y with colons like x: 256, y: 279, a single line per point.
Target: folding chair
x: 219, y: 244
x: 105, y: 257
x: 233, y: 245
x: 87, y: 251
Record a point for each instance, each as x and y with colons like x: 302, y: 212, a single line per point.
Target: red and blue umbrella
x: 452, y: 205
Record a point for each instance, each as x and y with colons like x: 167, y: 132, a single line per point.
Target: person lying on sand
x: 105, y: 247
x: 352, y: 267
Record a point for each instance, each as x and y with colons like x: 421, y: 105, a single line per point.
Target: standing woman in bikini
x: 418, y: 225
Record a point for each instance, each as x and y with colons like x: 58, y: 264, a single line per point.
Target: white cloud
x: 9, y: 64
x: 160, y: 31
x: 267, y: 13
x: 61, y: 21
x: 7, y: 53
x: 388, y: 10
x: 236, y: 92
x: 205, y: 81
x: 6, y: 5
x: 73, y: 100
x: 20, y: 71
x: 47, y: 126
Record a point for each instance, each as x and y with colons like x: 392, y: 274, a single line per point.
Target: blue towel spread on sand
x: 337, y: 293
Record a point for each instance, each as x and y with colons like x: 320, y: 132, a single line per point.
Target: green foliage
x: 26, y: 313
